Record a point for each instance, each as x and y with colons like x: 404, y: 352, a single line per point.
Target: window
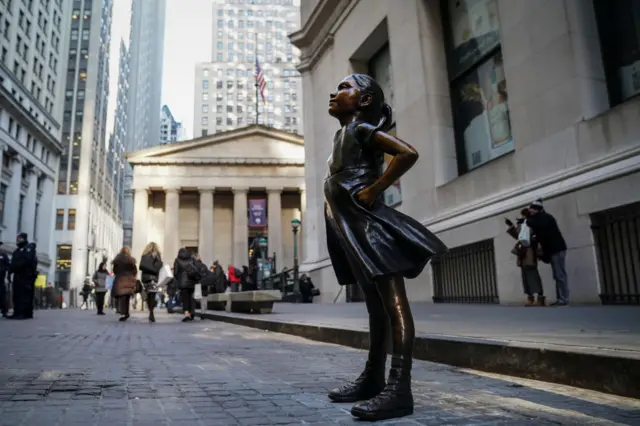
x: 205, y: 96
x: 3, y: 197
x: 477, y: 82
x: 205, y: 121
x: 219, y: 84
x: 71, y: 220
x: 205, y: 108
x: 205, y: 73
x: 59, y: 219
x: 620, y: 44
x: 205, y: 84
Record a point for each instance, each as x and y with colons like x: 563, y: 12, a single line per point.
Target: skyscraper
x: 247, y: 35
x: 170, y: 129
x: 33, y: 42
x: 118, y: 139
x: 146, y: 50
x: 87, y: 224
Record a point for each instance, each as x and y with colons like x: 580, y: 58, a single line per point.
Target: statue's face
x: 345, y: 99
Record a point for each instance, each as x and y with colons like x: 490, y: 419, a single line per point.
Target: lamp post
x: 262, y: 244
x: 295, y: 225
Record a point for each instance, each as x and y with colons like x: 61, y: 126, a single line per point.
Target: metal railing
x: 466, y: 274
x: 616, y: 234
x: 283, y: 281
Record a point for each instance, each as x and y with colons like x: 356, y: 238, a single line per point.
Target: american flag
x: 260, y: 81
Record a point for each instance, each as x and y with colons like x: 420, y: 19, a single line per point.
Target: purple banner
x: 257, y: 212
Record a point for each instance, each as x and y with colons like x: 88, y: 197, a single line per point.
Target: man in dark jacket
x: 220, y: 281
x: 5, y: 263
x: 554, y: 248
x: 23, y: 268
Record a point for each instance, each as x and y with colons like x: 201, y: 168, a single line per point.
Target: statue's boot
x: 396, y: 399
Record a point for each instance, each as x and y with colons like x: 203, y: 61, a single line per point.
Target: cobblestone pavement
x: 75, y: 368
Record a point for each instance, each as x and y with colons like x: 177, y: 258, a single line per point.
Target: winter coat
x: 99, y: 280
x: 232, y: 275
x: 219, y: 280
x: 180, y: 265
x: 548, y: 233
x: 150, y: 267
x: 527, y: 256
x: 124, y: 267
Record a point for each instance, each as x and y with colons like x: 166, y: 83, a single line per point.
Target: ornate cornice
x: 317, y: 33
x: 219, y: 161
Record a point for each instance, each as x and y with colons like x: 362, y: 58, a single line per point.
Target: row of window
x: 289, y: 109
x: 260, y: 12
x: 240, y: 72
x: 249, y: 57
x: 240, y: 84
x: 240, y: 121
x: 71, y: 219
x: 251, y: 47
x: 259, y: 24
x: 22, y: 136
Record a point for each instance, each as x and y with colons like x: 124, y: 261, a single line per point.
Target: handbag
x: 165, y: 275
x: 138, y: 286
x: 524, y: 237
x: 197, y: 292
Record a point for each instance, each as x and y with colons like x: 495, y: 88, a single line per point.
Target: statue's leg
x: 371, y: 382
x: 396, y: 399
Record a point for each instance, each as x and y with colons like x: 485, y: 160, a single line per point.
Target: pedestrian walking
x: 187, y: 275
x: 526, y: 251
x: 552, y: 246
x: 125, y: 270
x: 5, y: 264
x: 85, y: 292
x: 23, y: 270
x: 150, y: 266
x: 99, y: 282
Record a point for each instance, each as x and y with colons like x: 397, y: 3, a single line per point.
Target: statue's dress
x: 367, y: 243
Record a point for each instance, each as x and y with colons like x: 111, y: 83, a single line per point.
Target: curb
x: 604, y: 373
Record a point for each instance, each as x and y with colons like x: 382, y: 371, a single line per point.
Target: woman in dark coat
x: 150, y: 266
x: 99, y: 281
x: 125, y: 270
x: 373, y: 244
x: 185, y: 272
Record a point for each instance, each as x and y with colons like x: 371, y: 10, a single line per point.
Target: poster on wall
x: 483, y: 113
x: 258, y: 213
x: 475, y: 30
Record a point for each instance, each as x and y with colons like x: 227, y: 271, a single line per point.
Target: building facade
x: 33, y: 42
x: 206, y: 193
x: 506, y: 101
x: 170, y: 130
x: 146, y: 52
x: 87, y: 227
x: 225, y: 92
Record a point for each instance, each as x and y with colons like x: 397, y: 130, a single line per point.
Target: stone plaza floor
x: 72, y: 367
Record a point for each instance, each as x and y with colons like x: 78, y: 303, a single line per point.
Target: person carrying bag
x: 150, y: 266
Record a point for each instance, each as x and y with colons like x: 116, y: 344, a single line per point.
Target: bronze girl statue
x: 372, y: 244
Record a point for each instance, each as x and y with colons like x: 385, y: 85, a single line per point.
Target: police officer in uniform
x: 23, y: 268
x: 4, y: 268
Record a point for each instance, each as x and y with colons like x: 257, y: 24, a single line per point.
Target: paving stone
x: 90, y: 370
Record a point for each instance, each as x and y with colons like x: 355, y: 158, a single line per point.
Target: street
x: 72, y: 367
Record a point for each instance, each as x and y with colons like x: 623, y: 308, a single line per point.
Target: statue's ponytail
x: 387, y: 118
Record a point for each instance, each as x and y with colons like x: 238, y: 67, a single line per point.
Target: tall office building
x: 225, y: 93
x: 87, y: 225
x: 34, y: 36
x: 170, y: 129
x: 146, y: 51
x: 117, y: 141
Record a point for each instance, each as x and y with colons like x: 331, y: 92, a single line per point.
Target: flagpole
x: 257, y: 91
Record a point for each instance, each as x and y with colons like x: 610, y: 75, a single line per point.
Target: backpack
x: 192, y: 271
x: 237, y: 272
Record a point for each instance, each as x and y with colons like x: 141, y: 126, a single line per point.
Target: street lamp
x: 262, y: 244
x: 295, y: 225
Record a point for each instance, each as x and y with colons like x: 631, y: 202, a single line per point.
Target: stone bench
x: 258, y: 301
x: 217, y: 301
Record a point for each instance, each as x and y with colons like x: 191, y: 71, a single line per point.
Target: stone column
x: 205, y: 234
x: 29, y: 207
x: 302, y: 254
x: 140, y: 221
x: 12, y: 206
x: 240, y: 227
x: 171, y: 223
x: 274, y: 213
x: 45, y: 216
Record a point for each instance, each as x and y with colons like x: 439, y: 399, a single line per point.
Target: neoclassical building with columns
x: 197, y: 194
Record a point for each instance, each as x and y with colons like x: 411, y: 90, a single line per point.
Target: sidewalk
x: 596, y: 347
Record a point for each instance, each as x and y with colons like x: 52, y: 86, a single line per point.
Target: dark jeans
x: 3, y: 296
x: 188, y: 303
x: 151, y: 301
x: 123, y: 302
x: 560, y: 276
x: 100, y: 301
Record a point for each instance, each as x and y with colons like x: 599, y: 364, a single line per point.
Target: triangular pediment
x: 248, y: 145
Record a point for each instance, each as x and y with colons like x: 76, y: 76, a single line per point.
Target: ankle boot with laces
x: 395, y: 400
x: 369, y: 384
